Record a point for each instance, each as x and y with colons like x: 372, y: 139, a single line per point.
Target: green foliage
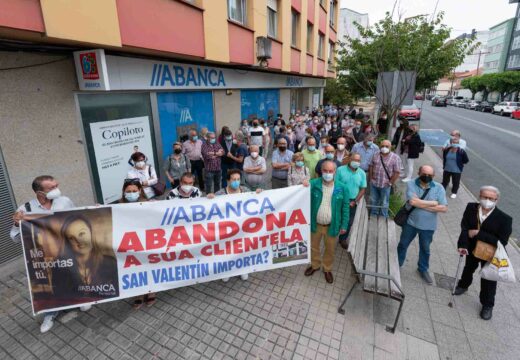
x: 336, y: 93
x: 505, y: 83
x: 415, y: 44
x: 396, y: 202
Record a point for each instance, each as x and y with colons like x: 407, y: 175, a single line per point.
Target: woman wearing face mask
x: 412, y: 145
x: 176, y: 164
x: 454, y: 158
x: 145, y: 173
x: 298, y: 172
x: 291, y: 137
x: 133, y: 192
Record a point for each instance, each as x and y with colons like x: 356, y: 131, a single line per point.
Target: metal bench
x: 373, y: 252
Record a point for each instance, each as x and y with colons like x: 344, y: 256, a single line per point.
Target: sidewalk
x: 280, y: 314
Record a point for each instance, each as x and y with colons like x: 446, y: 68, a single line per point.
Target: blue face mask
x: 327, y: 177
x: 212, y: 141
x: 194, y: 138
x: 299, y: 163
x: 235, y: 184
x: 329, y: 156
x: 355, y: 164
x: 229, y: 137
x: 311, y: 148
x: 455, y: 145
x: 370, y: 143
x: 131, y: 196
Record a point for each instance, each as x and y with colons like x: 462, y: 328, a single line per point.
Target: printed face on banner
x: 70, y: 259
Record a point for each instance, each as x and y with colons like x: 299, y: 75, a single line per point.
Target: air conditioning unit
x: 263, y: 48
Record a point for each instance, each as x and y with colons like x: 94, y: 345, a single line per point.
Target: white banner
x: 107, y: 253
x: 114, y: 143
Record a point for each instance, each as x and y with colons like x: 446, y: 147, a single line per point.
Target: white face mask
x: 487, y: 204
x: 254, y: 154
x: 53, y: 194
x: 341, y: 147
x: 385, y: 150
x: 186, y: 188
x: 140, y: 164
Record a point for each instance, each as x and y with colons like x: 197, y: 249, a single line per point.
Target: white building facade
x: 471, y: 62
x: 347, y: 20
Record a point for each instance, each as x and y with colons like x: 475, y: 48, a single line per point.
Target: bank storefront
x: 130, y: 104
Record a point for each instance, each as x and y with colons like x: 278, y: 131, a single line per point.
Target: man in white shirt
x: 257, y: 136
x: 48, y: 200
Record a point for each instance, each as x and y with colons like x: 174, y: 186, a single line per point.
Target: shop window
x: 272, y: 18
x: 237, y: 11
x: 115, y: 126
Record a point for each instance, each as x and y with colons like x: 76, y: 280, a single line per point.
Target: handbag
x: 158, y: 188
x: 402, y: 215
x: 483, y: 250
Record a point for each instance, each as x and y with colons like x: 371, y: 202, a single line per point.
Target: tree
x: 336, y: 93
x: 504, y: 83
x: 415, y: 44
x: 474, y: 84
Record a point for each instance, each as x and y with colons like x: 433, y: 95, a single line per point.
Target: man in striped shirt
x: 257, y: 136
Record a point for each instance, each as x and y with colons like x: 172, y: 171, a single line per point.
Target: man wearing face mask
x: 48, y: 200
x: 357, y: 132
x: 341, y: 152
x: 397, y: 141
x: 281, y: 162
x: 383, y: 173
x: 329, y: 218
x: 186, y: 188
x: 329, y: 155
x: 455, y: 137
x: 192, y: 149
x: 355, y: 179
x: 425, y: 198
x: 311, y: 156
x: 334, y: 134
x: 254, y: 169
x: 212, y: 153
x: 367, y: 149
x: 230, y: 149
x: 485, y: 222
x: 454, y: 158
x: 257, y: 136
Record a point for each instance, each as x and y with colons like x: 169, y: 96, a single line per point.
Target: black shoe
x: 344, y: 244
x: 486, y: 313
x: 309, y: 271
x: 328, y: 277
x: 459, y: 291
x: 426, y: 277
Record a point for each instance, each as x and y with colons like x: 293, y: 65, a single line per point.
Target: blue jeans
x: 379, y: 197
x: 425, y: 239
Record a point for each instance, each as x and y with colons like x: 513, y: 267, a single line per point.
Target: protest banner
x: 106, y: 253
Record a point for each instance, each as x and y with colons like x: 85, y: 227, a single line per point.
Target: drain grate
x: 444, y: 282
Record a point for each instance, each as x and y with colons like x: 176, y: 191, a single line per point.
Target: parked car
x: 515, y: 114
x: 472, y: 104
x: 461, y: 103
x: 485, y: 106
x: 449, y: 100
x: 505, y: 107
x: 410, y: 112
x: 419, y: 97
x: 456, y: 99
x: 440, y: 101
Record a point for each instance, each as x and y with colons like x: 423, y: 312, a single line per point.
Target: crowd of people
x: 338, y: 153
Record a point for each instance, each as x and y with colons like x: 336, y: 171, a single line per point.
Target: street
x: 493, y: 151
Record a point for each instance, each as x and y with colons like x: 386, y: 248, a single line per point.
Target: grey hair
x: 328, y: 161
x: 490, y: 188
x: 211, y: 133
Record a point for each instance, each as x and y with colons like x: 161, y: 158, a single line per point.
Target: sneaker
x: 453, y: 196
x: 426, y: 277
x: 225, y: 279
x: 459, y: 291
x: 47, y: 324
x: 244, y: 277
x: 85, y: 307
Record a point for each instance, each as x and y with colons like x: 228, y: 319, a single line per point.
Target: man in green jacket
x: 329, y: 218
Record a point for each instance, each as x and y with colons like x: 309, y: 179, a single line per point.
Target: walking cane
x: 456, y: 280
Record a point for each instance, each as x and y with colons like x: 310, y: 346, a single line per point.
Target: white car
x: 505, y: 107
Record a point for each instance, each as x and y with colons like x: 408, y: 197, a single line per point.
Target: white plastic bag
x: 500, y: 268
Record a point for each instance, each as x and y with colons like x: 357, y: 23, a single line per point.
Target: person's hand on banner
x: 17, y: 217
x: 305, y: 183
x: 210, y: 196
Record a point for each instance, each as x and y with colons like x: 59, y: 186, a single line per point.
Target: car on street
x: 461, y: 103
x: 485, y: 106
x: 472, y: 104
x: 410, y: 112
x: 439, y: 101
x: 419, y: 97
x: 455, y: 99
x: 505, y: 107
x: 515, y: 114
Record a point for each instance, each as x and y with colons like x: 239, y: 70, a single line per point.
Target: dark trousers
x: 197, y: 167
x: 352, y: 213
x: 455, y: 177
x: 488, y: 288
x: 225, y: 167
x: 175, y: 183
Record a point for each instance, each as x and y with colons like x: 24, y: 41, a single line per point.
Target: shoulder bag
x: 483, y: 250
x: 402, y: 215
x: 158, y: 188
x: 387, y: 174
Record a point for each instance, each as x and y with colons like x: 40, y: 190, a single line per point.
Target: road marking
x: 509, y: 132
x: 498, y: 171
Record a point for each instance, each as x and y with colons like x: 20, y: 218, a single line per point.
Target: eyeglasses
x: 132, y: 182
